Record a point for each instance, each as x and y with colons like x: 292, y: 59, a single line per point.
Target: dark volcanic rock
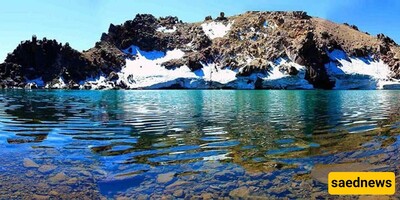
x: 289, y: 70
x: 194, y: 59
x: 221, y: 17
x: 139, y: 31
x: 47, y: 59
x: 142, y: 32
x: 386, y: 39
x: 106, y: 57
x: 310, y: 55
x: 200, y: 40
x: 172, y: 64
x: 50, y: 60
x: 113, y: 76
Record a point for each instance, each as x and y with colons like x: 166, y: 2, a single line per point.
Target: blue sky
x: 81, y: 22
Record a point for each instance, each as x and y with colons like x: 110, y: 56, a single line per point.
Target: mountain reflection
x: 251, y: 128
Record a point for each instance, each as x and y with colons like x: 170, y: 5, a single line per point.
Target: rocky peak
x: 140, y: 31
x: 169, y: 21
x: 47, y: 59
x: 385, y: 39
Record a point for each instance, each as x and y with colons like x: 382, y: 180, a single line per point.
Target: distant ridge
x: 254, y: 50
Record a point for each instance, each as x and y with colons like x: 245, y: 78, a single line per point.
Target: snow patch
x: 98, y: 84
x: 278, y: 79
x: 164, y: 29
x: 216, y: 29
x: 271, y: 25
x: 212, y: 72
x: 146, y: 72
x: 190, y: 44
x: 146, y: 69
x: 374, y: 69
x: 265, y: 25
x: 150, y: 55
x: 142, y: 73
x: 60, y: 84
x: 39, y: 82
x: 358, y: 73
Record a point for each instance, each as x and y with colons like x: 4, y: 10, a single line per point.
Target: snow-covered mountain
x: 254, y: 50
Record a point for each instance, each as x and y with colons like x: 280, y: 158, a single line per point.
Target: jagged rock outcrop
x: 250, y: 44
x: 47, y: 60
x: 108, y: 58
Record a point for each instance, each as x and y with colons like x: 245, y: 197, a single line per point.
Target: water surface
x: 149, y: 144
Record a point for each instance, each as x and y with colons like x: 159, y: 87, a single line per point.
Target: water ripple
x: 132, y: 131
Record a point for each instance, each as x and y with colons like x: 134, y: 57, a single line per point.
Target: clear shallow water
x: 130, y: 143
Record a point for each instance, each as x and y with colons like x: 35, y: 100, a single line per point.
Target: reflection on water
x: 134, y: 136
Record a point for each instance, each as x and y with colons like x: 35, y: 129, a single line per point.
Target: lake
x: 191, y: 143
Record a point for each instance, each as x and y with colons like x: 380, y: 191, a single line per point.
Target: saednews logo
x: 361, y: 183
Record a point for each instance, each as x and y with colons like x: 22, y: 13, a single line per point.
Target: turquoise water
x: 154, y: 143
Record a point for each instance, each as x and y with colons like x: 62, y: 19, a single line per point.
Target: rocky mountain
x: 254, y: 50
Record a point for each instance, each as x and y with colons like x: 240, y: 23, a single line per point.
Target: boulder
x: 221, y: 17
x: 113, y: 76
x: 172, y: 64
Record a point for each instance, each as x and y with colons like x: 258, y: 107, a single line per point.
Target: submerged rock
x: 178, y: 193
x: 28, y: 163
x: 177, y: 183
x: 207, y: 196
x: 72, y: 181
x: 47, y: 168
x: 40, y: 197
x: 58, y: 178
x: 241, y: 192
x: 53, y: 193
x: 30, y: 173
x: 165, y: 178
